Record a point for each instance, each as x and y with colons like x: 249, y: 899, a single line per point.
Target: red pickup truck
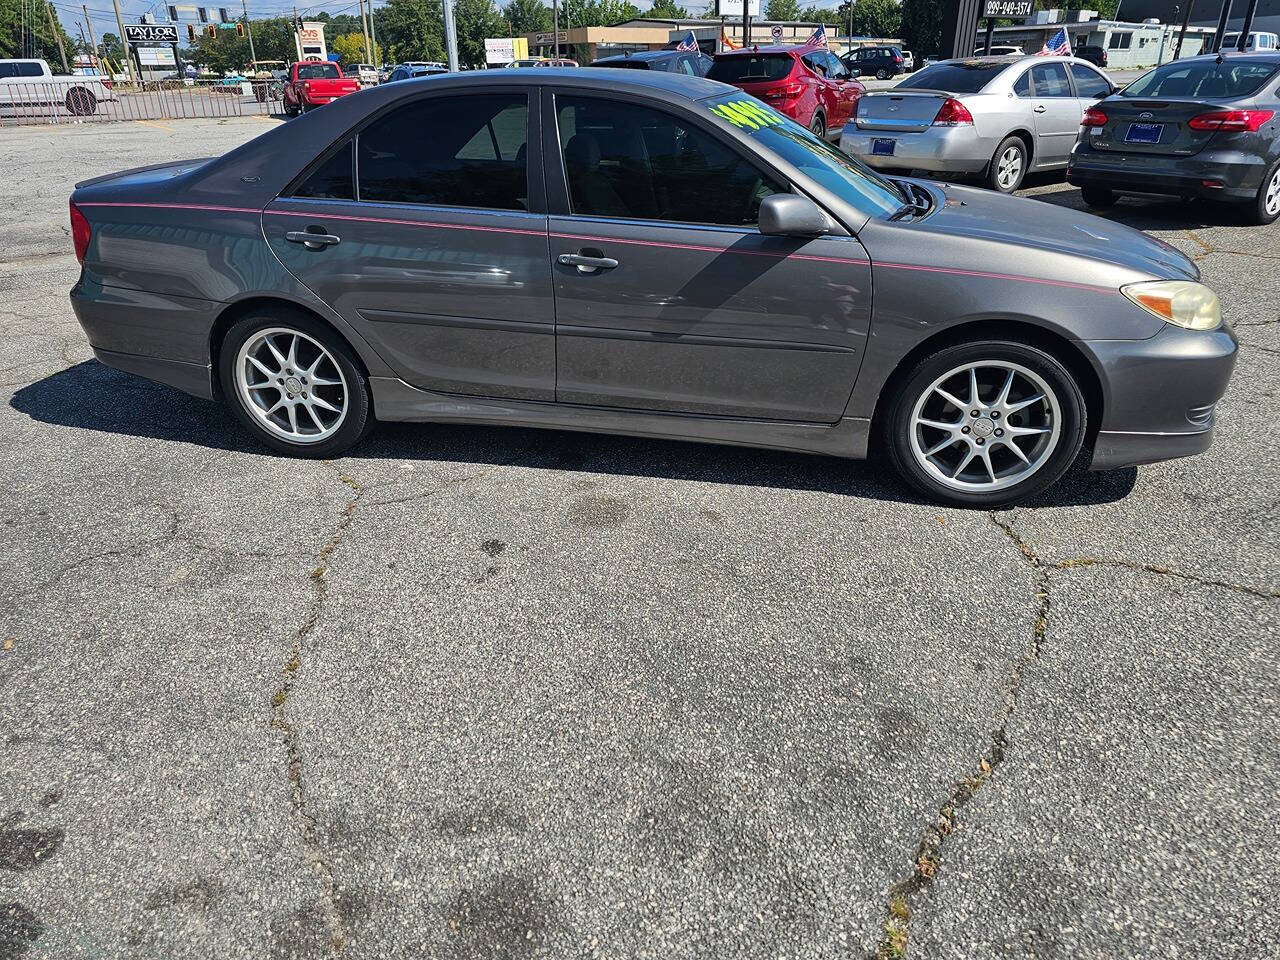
x: 312, y: 83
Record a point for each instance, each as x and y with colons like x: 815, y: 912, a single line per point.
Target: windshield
x: 960, y: 76
x: 851, y: 181
x: 751, y: 68
x: 1202, y: 78
x: 317, y: 71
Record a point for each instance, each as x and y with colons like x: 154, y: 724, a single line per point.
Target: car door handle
x: 586, y: 264
x: 1040, y: 109
x: 312, y: 241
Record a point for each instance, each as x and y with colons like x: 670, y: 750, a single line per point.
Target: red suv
x: 808, y: 84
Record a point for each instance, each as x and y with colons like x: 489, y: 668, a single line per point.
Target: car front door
x: 1057, y: 113
x: 436, y: 252
x: 668, y: 298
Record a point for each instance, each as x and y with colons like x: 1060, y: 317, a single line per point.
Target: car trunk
x: 1155, y: 126
x: 907, y: 111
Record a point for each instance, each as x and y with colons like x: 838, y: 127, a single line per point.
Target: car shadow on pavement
x: 1154, y: 213
x: 90, y: 396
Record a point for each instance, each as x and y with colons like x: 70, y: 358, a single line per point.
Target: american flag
x: 1056, y: 46
x: 690, y: 42
x: 819, y: 38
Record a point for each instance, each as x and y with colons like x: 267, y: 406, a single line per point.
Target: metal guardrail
x: 96, y: 100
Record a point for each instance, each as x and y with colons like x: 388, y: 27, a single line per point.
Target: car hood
x: 1034, y: 225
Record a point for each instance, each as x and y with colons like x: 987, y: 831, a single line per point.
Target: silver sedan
x: 997, y: 118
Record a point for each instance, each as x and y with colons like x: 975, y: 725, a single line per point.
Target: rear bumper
x: 1239, y: 174
x: 937, y: 149
x: 1160, y: 394
x: 193, y: 378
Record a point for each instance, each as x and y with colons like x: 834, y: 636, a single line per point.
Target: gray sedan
x: 996, y: 118
x: 643, y: 253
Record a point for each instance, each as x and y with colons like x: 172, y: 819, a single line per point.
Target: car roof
x: 644, y: 55
x: 792, y: 48
x: 603, y: 78
x: 1246, y: 56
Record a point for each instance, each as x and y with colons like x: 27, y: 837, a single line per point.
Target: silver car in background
x: 996, y: 118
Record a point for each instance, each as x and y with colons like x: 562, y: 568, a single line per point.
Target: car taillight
x: 897, y: 59
x: 1093, y: 117
x: 952, y: 113
x: 79, y: 233
x: 789, y: 92
x: 1231, y: 120
x: 107, y: 84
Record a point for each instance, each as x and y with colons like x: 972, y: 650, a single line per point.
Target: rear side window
x: 1203, y: 78
x: 1050, y: 80
x: 751, y: 68
x: 1090, y: 83
x: 968, y: 76
x: 1022, y: 86
x: 333, y: 179
x: 466, y: 151
x: 817, y: 62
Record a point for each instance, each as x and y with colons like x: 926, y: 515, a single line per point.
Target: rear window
x: 751, y: 68
x: 630, y: 64
x: 317, y: 71
x: 1202, y: 78
x: 963, y: 76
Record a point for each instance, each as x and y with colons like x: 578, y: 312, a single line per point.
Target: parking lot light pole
x: 450, y: 36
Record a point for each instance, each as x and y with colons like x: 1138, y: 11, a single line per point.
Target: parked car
x: 880, y: 62
x: 1259, y: 41
x: 556, y: 62
x: 1093, y: 53
x: 990, y: 117
x: 526, y: 62
x: 710, y: 277
x: 908, y: 61
x: 807, y: 84
x: 1000, y: 50
x: 30, y: 84
x: 313, y: 83
x: 366, y: 73
x: 691, y: 63
x: 412, y: 72
x: 1197, y: 127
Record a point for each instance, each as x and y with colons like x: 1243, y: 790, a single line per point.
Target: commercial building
x: 1129, y: 45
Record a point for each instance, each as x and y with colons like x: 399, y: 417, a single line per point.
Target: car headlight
x: 1180, y: 302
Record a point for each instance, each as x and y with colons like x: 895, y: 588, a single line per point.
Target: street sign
x: 776, y: 32
x: 151, y: 33
x: 1009, y: 9
x: 545, y: 39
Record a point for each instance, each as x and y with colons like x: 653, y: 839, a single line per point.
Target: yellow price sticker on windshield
x: 748, y: 114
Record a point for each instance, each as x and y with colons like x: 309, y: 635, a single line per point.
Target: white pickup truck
x: 30, y: 85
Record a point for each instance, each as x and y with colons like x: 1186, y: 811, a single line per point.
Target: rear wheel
x: 882, y: 74
x: 985, y: 424
x: 295, y: 384
x: 81, y: 102
x: 818, y: 125
x: 1098, y: 197
x: 1008, y: 165
x: 1266, y: 208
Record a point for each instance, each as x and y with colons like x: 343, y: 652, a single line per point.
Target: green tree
x: 412, y: 30
x: 872, y: 18
x: 24, y: 32
x: 112, y: 48
x: 666, y: 10
x: 349, y: 46
x: 816, y: 14
x: 782, y: 10
x: 921, y: 28
x: 475, y: 20
x: 596, y: 13
x: 527, y: 16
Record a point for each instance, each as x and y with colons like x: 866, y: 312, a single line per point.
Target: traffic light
x: 191, y: 33
x: 240, y: 29
x: 212, y: 30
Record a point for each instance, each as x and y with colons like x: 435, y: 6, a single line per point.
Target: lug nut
x: 981, y: 441
x: 280, y: 380
x: 995, y: 414
x: 973, y: 413
x: 999, y: 432
x: 304, y: 394
x: 964, y: 429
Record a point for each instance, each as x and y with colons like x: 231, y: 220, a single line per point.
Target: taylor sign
x: 151, y: 33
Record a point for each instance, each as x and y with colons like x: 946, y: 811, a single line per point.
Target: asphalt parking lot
x: 488, y: 693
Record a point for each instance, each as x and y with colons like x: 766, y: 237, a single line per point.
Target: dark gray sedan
x: 1202, y: 127
x: 650, y: 254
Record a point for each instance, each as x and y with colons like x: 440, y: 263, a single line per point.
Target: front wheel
x: 985, y: 424
x: 295, y: 384
x: 1266, y: 208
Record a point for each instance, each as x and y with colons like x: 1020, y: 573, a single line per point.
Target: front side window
x: 630, y: 161
x: 836, y: 68
x: 463, y: 151
x: 1050, y: 80
x: 1090, y: 83
x: 333, y: 179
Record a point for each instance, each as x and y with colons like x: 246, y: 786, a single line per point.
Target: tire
x: 1266, y: 207
x: 290, y: 110
x: 1008, y: 165
x: 1055, y: 424
x: 333, y: 387
x: 81, y: 102
x: 882, y: 74
x: 818, y: 125
x: 1100, y: 198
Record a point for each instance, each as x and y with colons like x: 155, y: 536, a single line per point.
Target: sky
x: 104, y: 19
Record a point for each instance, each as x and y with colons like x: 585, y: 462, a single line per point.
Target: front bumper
x: 1238, y: 172
x: 1160, y: 394
x: 938, y: 149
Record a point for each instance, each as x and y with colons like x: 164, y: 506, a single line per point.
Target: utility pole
x: 92, y: 39
x: 1186, y: 18
x: 1249, y: 12
x: 128, y: 64
x: 1222, y: 26
x: 450, y: 36
x: 373, y: 36
x: 746, y: 23
x: 57, y: 35
x: 555, y: 27
x: 248, y: 30
x: 364, y: 28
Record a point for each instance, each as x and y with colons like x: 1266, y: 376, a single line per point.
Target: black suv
x: 1093, y: 53
x: 694, y: 63
x: 882, y: 62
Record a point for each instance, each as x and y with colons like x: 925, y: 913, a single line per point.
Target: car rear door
x: 437, y: 251
x: 1057, y: 113
x: 668, y: 298
x: 846, y: 92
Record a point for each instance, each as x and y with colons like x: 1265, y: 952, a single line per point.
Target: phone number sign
x: 1012, y: 9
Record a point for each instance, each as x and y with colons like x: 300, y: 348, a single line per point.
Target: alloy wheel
x: 1009, y: 167
x: 1271, y: 203
x: 1005, y: 428
x: 291, y: 385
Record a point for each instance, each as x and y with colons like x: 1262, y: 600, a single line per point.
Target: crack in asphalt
x: 1086, y: 562
x: 928, y: 860
x: 1258, y: 346
x: 304, y: 819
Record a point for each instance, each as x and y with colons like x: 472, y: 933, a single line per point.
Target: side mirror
x: 790, y: 215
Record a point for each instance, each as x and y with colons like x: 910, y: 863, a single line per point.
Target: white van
x: 1258, y: 41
